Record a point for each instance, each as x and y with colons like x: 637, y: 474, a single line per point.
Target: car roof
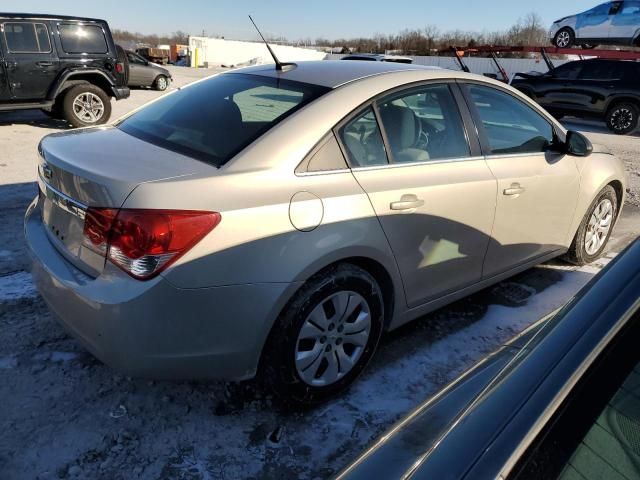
x: 42, y: 16
x: 333, y: 73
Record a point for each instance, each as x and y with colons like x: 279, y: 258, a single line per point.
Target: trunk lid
x: 97, y: 167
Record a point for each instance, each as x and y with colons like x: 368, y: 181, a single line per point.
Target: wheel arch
x: 596, y: 176
x: 566, y: 27
x: 70, y: 79
x: 387, y: 279
x: 612, y: 102
x: 619, y: 189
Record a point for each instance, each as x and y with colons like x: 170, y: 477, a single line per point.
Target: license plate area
x: 63, y: 219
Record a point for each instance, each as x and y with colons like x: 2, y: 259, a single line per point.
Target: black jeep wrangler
x: 67, y: 66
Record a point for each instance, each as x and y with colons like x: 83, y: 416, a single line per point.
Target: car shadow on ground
x: 35, y: 118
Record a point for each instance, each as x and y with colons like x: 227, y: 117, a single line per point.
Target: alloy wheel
x: 332, y: 338
x: 563, y: 39
x: 621, y: 119
x: 88, y: 107
x: 598, y: 227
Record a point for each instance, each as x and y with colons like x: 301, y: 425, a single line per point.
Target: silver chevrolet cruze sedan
x: 277, y: 222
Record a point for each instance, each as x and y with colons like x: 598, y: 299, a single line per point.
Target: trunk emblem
x: 47, y: 172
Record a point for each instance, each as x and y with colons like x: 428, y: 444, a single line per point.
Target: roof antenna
x: 280, y: 66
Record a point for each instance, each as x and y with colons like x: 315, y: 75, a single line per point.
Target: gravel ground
x: 66, y: 415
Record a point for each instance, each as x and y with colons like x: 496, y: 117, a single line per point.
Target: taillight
x: 145, y: 242
x: 120, y: 67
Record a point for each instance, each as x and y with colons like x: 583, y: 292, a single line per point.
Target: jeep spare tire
x: 86, y: 105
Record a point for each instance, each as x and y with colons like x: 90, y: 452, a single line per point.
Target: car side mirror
x: 577, y: 144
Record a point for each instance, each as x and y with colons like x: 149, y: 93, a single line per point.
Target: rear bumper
x: 152, y: 329
x: 120, y: 93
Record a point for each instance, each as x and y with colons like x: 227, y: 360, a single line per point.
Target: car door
x: 431, y: 190
x: 625, y: 23
x: 31, y: 63
x: 597, y: 80
x: 555, y: 90
x: 537, y: 187
x: 594, y: 24
x: 136, y: 69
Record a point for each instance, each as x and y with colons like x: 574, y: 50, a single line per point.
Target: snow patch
x: 16, y: 286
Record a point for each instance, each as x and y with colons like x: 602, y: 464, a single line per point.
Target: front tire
x: 86, y: 105
x: 565, y: 38
x: 161, y: 83
x: 595, y: 229
x: 325, y: 336
x: 622, y: 118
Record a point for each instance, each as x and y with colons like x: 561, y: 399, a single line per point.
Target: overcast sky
x: 304, y: 18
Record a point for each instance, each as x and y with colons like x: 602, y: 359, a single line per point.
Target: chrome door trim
x: 417, y: 164
x: 323, y: 172
x: 514, y: 155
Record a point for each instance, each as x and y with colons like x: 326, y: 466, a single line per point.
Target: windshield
x: 215, y: 119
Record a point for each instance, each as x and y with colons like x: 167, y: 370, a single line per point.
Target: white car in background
x: 611, y: 23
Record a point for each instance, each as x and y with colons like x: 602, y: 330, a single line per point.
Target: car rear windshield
x: 214, y: 119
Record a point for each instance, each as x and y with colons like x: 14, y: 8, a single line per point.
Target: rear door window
x: 27, y: 37
x: 601, y: 71
x: 423, y: 124
x: 77, y: 38
x: 212, y: 120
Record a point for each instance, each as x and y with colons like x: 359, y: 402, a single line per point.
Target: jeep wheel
x: 86, y: 105
x: 622, y: 118
x: 161, y: 83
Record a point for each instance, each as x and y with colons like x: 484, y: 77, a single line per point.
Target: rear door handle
x: 407, y: 202
x: 9, y: 64
x: 44, y: 64
x: 514, y: 189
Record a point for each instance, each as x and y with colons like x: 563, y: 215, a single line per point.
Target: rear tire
x: 312, y: 327
x: 565, y: 38
x: 622, y: 118
x: 86, y: 105
x: 585, y: 248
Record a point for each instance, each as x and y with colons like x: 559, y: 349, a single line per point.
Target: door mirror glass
x: 577, y: 144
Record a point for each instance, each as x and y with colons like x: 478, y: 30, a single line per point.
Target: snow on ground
x: 66, y: 415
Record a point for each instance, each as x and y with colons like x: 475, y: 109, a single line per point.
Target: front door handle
x: 9, y: 64
x: 514, y: 189
x: 44, y: 64
x: 407, y: 202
